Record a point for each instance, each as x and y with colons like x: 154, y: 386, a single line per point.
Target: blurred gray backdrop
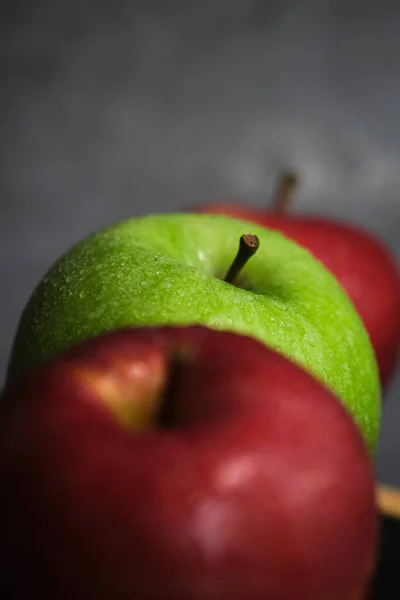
x: 112, y: 109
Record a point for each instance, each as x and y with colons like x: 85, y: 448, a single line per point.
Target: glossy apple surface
x: 169, y: 269
x: 181, y: 464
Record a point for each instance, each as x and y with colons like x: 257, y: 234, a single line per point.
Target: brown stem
x: 287, y: 182
x: 166, y: 416
x: 248, y: 246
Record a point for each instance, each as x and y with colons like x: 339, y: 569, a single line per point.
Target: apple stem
x: 167, y: 410
x: 287, y: 182
x: 248, y: 246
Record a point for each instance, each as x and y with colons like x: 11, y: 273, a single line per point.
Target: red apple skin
x: 259, y: 488
x: 361, y: 263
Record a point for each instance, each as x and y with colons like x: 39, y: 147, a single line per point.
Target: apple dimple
x: 140, y: 394
x: 130, y: 391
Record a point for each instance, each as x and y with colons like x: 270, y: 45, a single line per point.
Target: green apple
x: 171, y: 269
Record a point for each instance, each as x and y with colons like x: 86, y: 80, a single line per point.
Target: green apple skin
x: 169, y: 269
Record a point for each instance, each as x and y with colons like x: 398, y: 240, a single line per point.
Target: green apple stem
x: 287, y: 183
x: 248, y: 246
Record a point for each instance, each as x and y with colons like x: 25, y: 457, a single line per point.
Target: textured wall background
x: 110, y: 109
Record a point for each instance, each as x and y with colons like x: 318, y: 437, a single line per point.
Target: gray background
x: 112, y: 109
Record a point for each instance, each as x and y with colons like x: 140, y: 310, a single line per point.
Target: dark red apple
x: 181, y: 464
x: 359, y: 260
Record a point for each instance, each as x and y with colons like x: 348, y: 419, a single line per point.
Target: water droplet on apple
x: 309, y: 340
x: 272, y: 319
x: 67, y: 279
x: 82, y: 294
x: 310, y: 336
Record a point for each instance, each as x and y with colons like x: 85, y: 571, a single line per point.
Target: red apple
x: 181, y: 464
x: 362, y: 264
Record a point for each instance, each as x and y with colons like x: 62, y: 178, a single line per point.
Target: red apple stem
x: 167, y: 409
x: 170, y: 411
x: 248, y: 246
x: 287, y: 183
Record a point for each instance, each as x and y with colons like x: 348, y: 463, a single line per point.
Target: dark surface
x: 112, y: 109
x: 386, y: 585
